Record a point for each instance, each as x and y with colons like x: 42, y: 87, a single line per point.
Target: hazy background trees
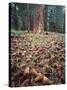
x: 37, y: 17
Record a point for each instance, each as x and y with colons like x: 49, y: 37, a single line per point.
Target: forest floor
x: 37, y: 59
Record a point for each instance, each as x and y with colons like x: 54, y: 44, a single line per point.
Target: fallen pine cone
x: 47, y: 81
x: 28, y: 60
x: 25, y: 82
x: 57, y: 66
x: 43, y: 79
x: 23, y: 67
x: 41, y: 64
x: 27, y: 71
x: 39, y: 77
x: 59, y: 74
x: 34, y: 72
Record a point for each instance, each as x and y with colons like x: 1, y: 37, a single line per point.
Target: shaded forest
x: 36, y: 44
x: 28, y: 16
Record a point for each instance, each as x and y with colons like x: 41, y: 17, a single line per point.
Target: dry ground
x: 37, y: 59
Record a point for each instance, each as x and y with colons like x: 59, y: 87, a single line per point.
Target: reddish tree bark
x: 38, y: 25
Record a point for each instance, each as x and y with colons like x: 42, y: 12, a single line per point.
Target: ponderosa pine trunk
x: 38, y: 22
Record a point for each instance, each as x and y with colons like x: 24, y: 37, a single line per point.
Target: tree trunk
x: 14, y: 22
x: 38, y: 25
